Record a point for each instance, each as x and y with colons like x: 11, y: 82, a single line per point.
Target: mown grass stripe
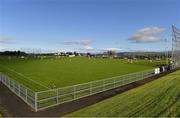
x: 157, y: 98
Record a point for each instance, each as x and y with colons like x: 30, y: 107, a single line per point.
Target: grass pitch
x: 160, y: 98
x: 38, y: 74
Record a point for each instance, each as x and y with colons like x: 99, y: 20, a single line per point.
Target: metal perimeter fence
x: 175, y: 47
x: 45, y: 99
x: 26, y: 94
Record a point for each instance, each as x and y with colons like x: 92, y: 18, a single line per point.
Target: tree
x: 111, y: 53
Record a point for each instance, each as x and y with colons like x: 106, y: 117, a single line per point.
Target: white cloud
x: 148, y: 34
x: 87, y: 49
x: 1, y: 48
x: 151, y: 30
x: 78, y: 42
x: 113, y: 49
x: 5, y: 40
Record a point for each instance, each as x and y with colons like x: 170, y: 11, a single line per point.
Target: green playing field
x: 42, y: 74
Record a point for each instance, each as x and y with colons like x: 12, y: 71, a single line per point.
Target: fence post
x: 5, y: 80
x: 74, y: 94
x: 9, y: 84
x: 114, y: 83
x: 57, y: 96
x: 0, y: 77
x: 13, y: 86
x: 19, y: 89
x: 26, y: 93
x: 91, y: 88
x: 103, y: 85
x: 148, y: 74
x: 138, y: 76
x: 35, y: 101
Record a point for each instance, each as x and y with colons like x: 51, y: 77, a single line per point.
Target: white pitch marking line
x: 25, y: 76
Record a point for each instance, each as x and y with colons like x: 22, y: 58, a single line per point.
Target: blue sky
x: 87, y: 25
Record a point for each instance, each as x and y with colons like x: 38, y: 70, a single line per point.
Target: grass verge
x: 158, y: 98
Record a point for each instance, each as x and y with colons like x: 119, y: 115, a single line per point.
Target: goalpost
x: 175, y: 47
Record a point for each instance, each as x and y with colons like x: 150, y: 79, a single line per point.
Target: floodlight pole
x: 172, y: 50
x: 166, y: 50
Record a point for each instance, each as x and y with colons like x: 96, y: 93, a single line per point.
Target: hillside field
x: 43, y: 74
x: 159, y: 98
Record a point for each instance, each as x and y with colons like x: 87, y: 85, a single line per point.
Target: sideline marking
x: 25, y: 77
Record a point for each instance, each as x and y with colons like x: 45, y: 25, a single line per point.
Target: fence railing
x: 45, y: 99
x: 58, y: 96
x: 26, y: 94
